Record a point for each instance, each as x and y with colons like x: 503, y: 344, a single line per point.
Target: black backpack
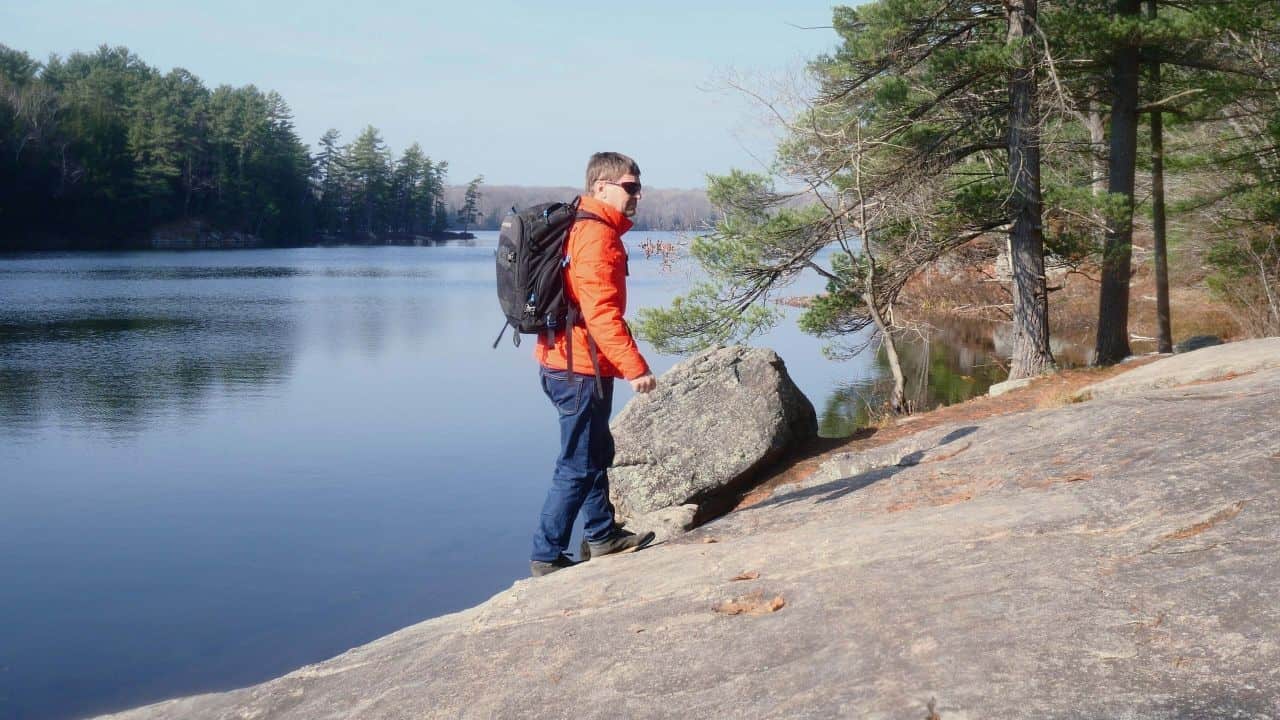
x: 530, y: 264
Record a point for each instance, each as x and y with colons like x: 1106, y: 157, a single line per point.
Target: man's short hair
x: 609, y: 166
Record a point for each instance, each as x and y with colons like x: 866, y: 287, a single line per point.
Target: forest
x: 1021, y: 155
x: 99, y: 149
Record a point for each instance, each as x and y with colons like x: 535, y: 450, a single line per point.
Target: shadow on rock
x: 836, y: 489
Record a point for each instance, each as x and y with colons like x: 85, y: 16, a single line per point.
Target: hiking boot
x: 619, y: 541
x: 538, y: 568
x: 584, y: 550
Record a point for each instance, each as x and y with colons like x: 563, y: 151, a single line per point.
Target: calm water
x: 218, y: 466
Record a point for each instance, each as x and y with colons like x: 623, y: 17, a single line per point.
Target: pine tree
x: 369, y: 162
x: 1113, y: 298
x: 470, y: 211
x: 332, y: 200
x: 1031, y: 353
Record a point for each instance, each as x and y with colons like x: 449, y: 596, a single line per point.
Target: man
x: 595, y: 280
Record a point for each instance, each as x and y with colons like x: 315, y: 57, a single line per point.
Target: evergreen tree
x: 369, y: 163
x: 1159, y: 225
x: 429, y: 192
x: 412, y: 191
x: 155, y: 142
x: 332, y: 199
x: 1031, y: 353
x: 469, y: 213
x: 1113, y: 298
x: 439, y: 211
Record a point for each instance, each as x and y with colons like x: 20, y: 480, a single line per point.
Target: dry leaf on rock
x: 752, y: 604
x: 749, y: 575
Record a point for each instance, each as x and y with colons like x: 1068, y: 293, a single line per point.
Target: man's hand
x: 645, y: 383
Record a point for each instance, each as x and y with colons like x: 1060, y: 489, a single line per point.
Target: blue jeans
x: 581, y: 480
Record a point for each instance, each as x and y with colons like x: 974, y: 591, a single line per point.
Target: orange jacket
x: 596, y: 279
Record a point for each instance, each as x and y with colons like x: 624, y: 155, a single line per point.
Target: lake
x: 216, y: 467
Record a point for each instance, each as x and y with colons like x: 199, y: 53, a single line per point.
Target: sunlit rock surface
x: 1107, y: 559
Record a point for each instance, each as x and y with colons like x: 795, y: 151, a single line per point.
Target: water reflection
x: 1069, y: 350
x: 950, y: 364
x: 953, y: 360
x: 203, y: 272
x: 113, y: 341
x: 117, y: 371
x: 77, y: 329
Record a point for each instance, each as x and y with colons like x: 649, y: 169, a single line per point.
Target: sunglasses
x: 630, y: 188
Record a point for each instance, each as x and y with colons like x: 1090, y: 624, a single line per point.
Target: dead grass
x: 964, y: 291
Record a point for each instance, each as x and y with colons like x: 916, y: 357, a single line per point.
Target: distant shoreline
x: 203, y: 239
x: 220, y: 240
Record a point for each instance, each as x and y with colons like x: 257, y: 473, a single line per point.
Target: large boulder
x: 714, y: 420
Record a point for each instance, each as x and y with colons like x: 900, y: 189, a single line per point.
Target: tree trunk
x: 898, y: 397
x: 1098, y: 150
x: 1164, y: 334
x: 1113, y: 299
x: 1031, y: 354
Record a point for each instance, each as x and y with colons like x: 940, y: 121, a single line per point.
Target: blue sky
x: 522, y: 92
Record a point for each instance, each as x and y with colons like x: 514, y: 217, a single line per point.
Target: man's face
x: 623, y: 193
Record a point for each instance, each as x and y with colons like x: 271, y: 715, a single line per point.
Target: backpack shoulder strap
x: 580, y: 215
x: 584, y: 215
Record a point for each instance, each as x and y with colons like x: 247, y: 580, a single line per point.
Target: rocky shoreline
x: 1108, y: 557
